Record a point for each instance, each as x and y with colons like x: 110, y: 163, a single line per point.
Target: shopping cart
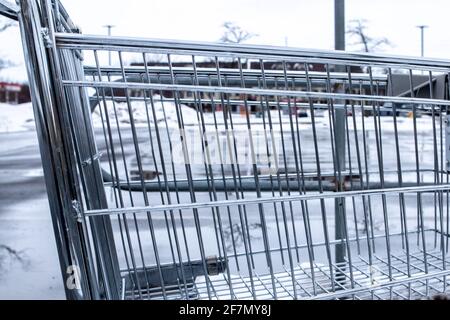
x: 218, y: 171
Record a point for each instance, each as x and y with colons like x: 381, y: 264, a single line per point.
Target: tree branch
x: 7, y: 25
x: 235, y: 34
x: 358, y: 29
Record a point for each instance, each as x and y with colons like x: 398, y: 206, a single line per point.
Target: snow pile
x: 15, y: 74
x: 404, y: 124
x: 15, y: 118
x: 143, y: 112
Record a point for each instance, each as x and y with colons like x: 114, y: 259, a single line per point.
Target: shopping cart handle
x: 173, y: 274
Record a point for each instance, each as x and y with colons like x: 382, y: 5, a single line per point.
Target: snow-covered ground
x: 14, y: 118
x: 25, y: 223
x: 142, y: 113
x: 167, y: 110
x: 14, y: 74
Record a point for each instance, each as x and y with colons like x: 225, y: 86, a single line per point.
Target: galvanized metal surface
x: 190, y: 176
x: 9, y: 9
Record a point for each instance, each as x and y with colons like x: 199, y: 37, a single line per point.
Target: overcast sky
x: 305, y: 23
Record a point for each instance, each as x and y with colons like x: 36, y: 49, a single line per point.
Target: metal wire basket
x: 216, y: 171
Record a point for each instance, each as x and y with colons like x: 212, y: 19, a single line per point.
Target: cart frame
x: 247, y: 214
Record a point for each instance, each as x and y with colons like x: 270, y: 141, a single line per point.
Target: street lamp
x: 109, y: 27
x: 422, y: 35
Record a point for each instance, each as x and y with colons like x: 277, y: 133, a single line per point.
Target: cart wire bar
x: 194, y: 170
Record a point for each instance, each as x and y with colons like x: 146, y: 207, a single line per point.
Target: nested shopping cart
x: 182, y: 170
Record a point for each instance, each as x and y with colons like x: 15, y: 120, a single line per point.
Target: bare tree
x: 235, y: 34
x: 358, y: 31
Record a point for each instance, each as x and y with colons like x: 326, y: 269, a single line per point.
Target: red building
x: 14, y: 87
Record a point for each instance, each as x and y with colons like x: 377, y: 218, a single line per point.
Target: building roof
x: 16, y: 74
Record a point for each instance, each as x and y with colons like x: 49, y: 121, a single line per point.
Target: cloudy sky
x: 305, y: 23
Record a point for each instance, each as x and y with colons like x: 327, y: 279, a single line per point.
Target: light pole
x: 339, y: 136
x: 422, y: 39
x: 339, y: 24
x: 109, y: 27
